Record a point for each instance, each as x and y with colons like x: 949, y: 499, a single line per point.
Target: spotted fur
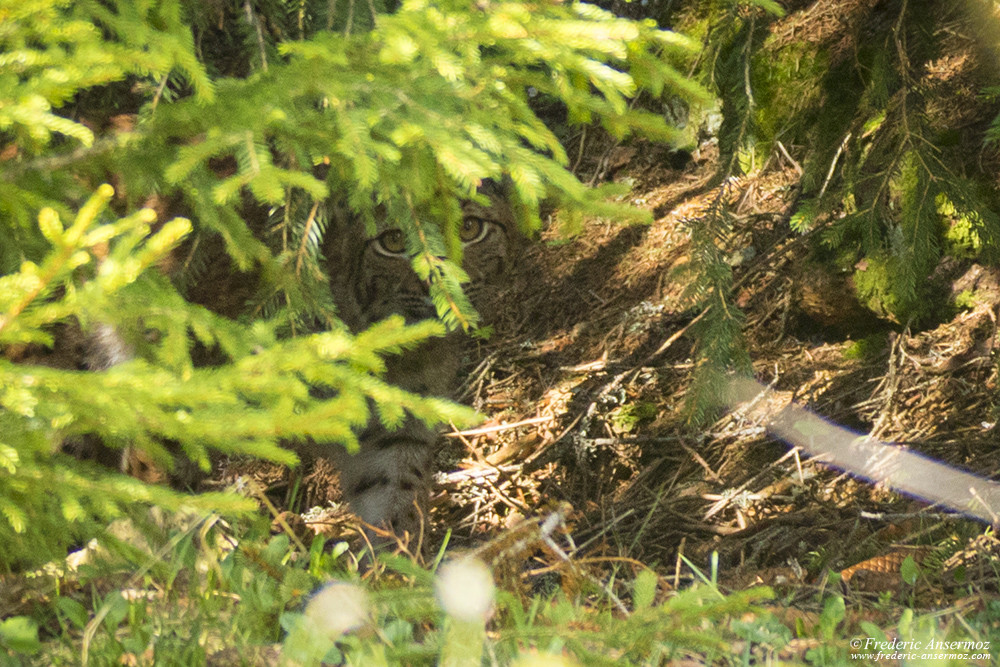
x: 387, y: 483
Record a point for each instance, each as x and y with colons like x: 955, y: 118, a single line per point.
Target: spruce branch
x: 66, y: 257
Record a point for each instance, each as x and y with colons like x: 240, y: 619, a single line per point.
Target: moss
x: 959, y: 229
x: 869, y: 347
x: 628, y: 417
x: 966, y: 300
x: 788, y: 86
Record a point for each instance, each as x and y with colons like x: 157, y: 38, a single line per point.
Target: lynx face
x: 385, y: 283
x: 388, y: 481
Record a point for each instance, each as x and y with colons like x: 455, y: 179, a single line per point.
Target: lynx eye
x: 473, y: 230
x: 391, y: 242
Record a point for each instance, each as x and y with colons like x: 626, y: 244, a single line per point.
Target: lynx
x: 388, y: 481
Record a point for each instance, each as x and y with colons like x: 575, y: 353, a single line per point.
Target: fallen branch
x: 498, y: 428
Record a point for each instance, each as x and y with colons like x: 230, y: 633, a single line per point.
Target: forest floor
x: 586, y: 465
x: 585, y: 381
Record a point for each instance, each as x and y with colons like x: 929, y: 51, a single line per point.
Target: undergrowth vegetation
x: 195, y: 597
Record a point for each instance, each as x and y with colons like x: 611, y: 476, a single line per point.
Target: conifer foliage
x: 893, y: 178
x: 889, y: 179
x: 257, y: 122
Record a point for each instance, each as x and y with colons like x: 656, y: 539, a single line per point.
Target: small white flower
x: 337, y: 609
x: 465, y: 589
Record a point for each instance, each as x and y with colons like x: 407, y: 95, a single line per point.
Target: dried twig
x: 795, y: 165
x: 498, y: 428
x: 833, y: 165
